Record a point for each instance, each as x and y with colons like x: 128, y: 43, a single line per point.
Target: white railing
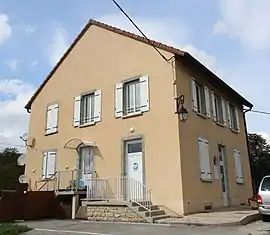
x: 73, y: 179
x: 120, y: 189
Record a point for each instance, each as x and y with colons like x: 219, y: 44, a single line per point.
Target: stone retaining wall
x: 114, y: 213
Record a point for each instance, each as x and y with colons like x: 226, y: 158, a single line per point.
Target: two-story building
x: 109, y: 107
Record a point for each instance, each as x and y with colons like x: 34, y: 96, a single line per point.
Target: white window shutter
x: 229, y: 115
x: 55, y: 118
x: 237, y: 120
x: 51, y: 163
x: 44, y: 165
x: 144, y: 93
x: 207, y: 102
x: 194, y: 95
x: 97, y: 106
x: 77, y: 111
x: 223, y: 103
x: 118, y: 100
x: 49, y: 119
x: 238, y: 166
x: 204, y: 160
x: 214, y: 106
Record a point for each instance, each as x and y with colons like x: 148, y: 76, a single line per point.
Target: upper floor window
x: 132, y: 97
x: 233, y: 118
x: 219, y: 109
x: 52, y: 119
x: 87, y: 108
x: 200, y: 98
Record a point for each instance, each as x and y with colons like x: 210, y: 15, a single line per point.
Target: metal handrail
x: 47, y: 180
x: 120, y: 189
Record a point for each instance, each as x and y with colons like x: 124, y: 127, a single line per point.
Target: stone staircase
x: 124, y: 211
x: 152, y: 215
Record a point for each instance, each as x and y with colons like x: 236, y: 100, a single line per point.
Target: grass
x: 12, y: 229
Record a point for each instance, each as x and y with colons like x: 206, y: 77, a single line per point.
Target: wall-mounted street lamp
x: 180, y: 109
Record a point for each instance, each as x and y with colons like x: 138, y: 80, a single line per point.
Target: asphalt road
x: 75, y: 227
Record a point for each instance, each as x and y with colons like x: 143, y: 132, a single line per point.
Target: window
x: 52, y: 119
x: 204, y: 160
x: 49, y: 164
x: 132, y: 97
x: 87, y: 109
x: 219, y: 109
x: 233, y: 117
x: 200, y: 98
x: 238, y: 166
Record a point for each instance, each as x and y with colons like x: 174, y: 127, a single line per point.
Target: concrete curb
x: 243, y: 221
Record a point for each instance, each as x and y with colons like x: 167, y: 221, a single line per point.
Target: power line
x: 261, y: 112
x: 122, y: 10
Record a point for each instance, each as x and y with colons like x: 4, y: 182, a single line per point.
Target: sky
x: 232, y: 38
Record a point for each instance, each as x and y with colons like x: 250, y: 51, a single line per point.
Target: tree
x: 9, y: 169
x: 259, y: 158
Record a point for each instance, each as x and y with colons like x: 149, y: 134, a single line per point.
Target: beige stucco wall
x: 99, y: 61
x: 196, y: 192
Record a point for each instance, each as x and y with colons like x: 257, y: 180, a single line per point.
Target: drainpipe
x: 249, y: 157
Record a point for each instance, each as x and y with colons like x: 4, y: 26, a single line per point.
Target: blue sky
x: 230, y: 37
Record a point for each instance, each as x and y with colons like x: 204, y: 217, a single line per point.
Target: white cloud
x: 265, y: 136
x: 59, y: 45
x: 5, y: 28
x: 30, y: 28
x: 13, y: 64
x: 13, y: 116
x: 246, y: 20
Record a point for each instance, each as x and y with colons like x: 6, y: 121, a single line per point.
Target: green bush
x: 12, y: 229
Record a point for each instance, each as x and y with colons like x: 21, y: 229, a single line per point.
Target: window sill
x: 87, y: 124
x: 202, y: 115
x: 220, y: 124
x: 234, y: 131
x: 132, y: 114
x: 51, y: 133
x: 206, y: 180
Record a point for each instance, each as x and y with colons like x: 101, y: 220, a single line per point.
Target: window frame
x: 233, y: 110
x: 219, y: 109
x: 92, y: 108
x: 46, y: 176
x: 200, y: 96
x: 135, y: 82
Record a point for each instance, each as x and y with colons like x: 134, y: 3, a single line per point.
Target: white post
x: 74, y: 206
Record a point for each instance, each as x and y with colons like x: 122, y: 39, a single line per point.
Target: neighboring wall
x: 197, y: 193
x: 100, y: 60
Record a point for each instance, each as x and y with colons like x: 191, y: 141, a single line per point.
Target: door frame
x: 225, y: 168
x: 124, y: 141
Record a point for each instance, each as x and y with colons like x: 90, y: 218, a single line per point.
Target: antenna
x: 23, y: 179
x: 21, y: 160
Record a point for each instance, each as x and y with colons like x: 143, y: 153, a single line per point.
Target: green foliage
x: 12, y: 229
x: 260, y: 157
x: 9, y: 169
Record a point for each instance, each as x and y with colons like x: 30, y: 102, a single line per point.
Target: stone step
x: 154, y: 213
x: 144, y: 203
x: 152, y: 208
x: 159, y: 217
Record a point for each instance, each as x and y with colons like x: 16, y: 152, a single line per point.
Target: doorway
x: 134, y: 169
x: 86, y: 165
x: 223, y: 174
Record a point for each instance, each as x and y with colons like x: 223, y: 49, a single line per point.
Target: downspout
x: 249, y: 157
